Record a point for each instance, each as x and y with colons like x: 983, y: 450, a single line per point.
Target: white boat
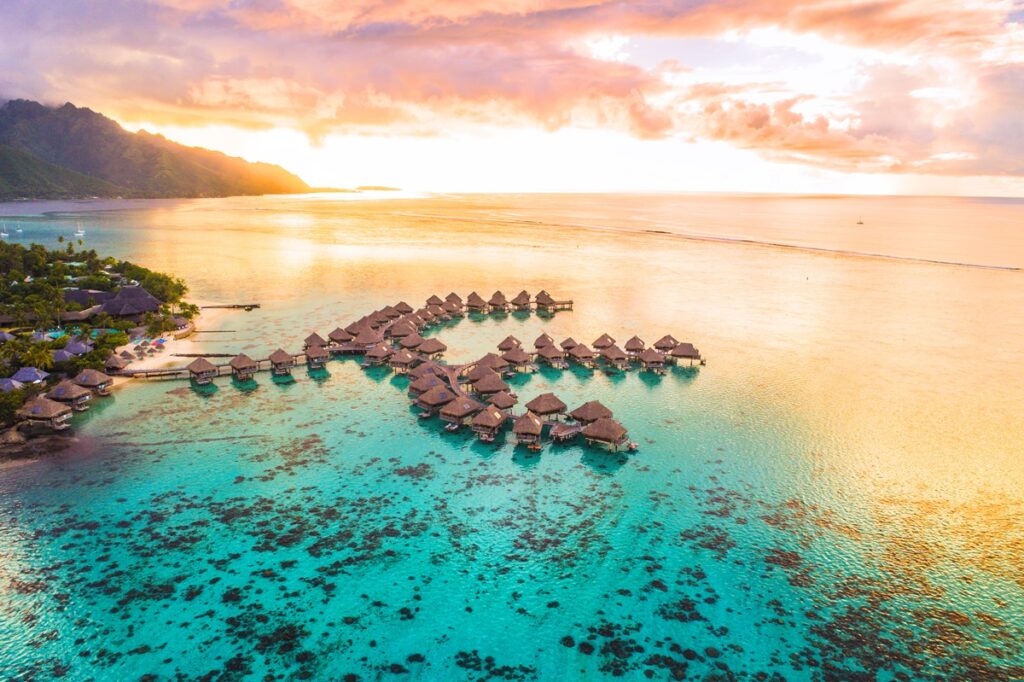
x: 3, y: 232
x: 79, y: 232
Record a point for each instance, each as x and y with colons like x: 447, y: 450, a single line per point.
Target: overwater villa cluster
x: 474, y: 394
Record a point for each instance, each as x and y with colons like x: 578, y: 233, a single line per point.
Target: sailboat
x: 3, y: 231
x: 80, y: 232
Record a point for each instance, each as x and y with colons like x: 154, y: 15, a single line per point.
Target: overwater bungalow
x: 379, y: 318
x: 498, y: 302
x: 411, y: 341
x: 685, y: 351
x: 354, y: 328
x: 391, y: 312
x: 503, y: 400
x: 317, y: 356
x: 403, y: 308
x: 494, y: 361
x: 46, y: 412
x: 488, y: 422
x: 544, y: 301
x: 378, y: 355
x: 635, y: 346
x: 553, y: 356
x: 518, y: 359
x: 666, y: 343
x: 415, y: 320
x: 475, y: 303
x: 521, y: 301
x: 425, y: 315
x: 368, y: 338
x: 403, y: 361
x: 434, y: 399
x: 438, y: 312
x: 339, y: 336
x: 453, y: 297
x: 435, y: 300
x: 313, y: 339
x: 477, y: 372
x: 582, y: 355
x: 608, y: 432
x: 202, y: 371
x: 528, y: 429
x: 451, y: 309
x: 432, y: 348
x: 653, y: 361
x: 71, y: 394
x: 429, y: 367
x: 568, y: 344
x: 508, y: 343
x: 421, y: 385
x: 401, y: 329
x: 543, y: 340
x: 489, y: 384
x: 243, y: 367
x: 460, y: 411
x: 114, y: 363
x: 603, y: 341
x: 590, y: 412
x: 547, y: 405
x: 561, y: 433
x: 615, y: 357
x: 281, y: 363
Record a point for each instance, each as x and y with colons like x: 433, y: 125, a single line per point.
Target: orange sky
x: 886, y: 96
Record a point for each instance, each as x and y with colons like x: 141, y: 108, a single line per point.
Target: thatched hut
x: 666, y: 343
x: 435, y: 300
x: 281, y: 363
x: 313, y: 339
x: 552, y: 356
x: 114, y: 363
x: 544, y: 301
x: 528, y: 429
x: 488, y: 422
x: 46, y: 412
x: 635, y: 346
x: 438, y: 312
x: 425, y: 315
x: 202, y: 371
x: 476, y: 303
x: 378, y: 355
x: 460, y: 410
x: 403, y: 308
x: 603, y: 341
x: 568, y: 344
x: 411, y: 341
x: 521, y: 301
x: 498, y: 302
x: 94, y: 380
x: 379, y: 318
x: 503, y: 400
x: 453, y: 297
x: 685, y: 351
x: 316, y: 357
x: 243, y: 367
x: 547, y: 405
x: 517, y: 358
x: 543, y: 340
x: 421, y: 385
x: 71, y: 394
x: 368, y: 338
x: 403, y: 361
x: 435, y: 398
x: 606, y: 431
x: 652, y: 360
x: 391, y: 312
x: 339, y: 336
x: 429, y: 367
x: 494, y: 361
x: 489, y: 384
x: 451, y: 309
x: 508, y: 343
x: 615, y: 357
x: 590, y: 412
x: 582, y: 355
x: 401, y: 329
x: 432, y: 348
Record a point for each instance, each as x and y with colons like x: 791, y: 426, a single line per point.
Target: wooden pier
x: 233, y: 306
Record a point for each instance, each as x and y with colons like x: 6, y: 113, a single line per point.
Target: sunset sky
x: 883, y: 96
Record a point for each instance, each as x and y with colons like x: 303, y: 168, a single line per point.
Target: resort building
x: 436, y: 300
x: 488, y: 422
x: 434, y: 399
x: 543, y: 340
x: 421, y: 385
x: 316, y: 357
x: 438, y: 312
x: 281, y: 363
x: 429, y: 367
x: 568, y: 344
x: 508, y: 343
x: 547, y: 405
x: 432, y: 348
x: 528, y: 429
x: 460, y: 411
x: 132, y: 302
x: 391, y: 312
x: 553, y: 356
x: 30, y: 375
x: 454, y: 298
x: 8, y: 385
x: 400, y: 330
x: 339, y: 336
x: 71, y: 394
x: 475, y: 303
x: 590, y: 412
x: 403, y: 361
x: 608, y: 432
x: 666, y: 343
x: 489, y: 384
x: 312, y: 340
x: 652, y: 360
x: 518, y: 359
x: 243, y: 367
x: 46, y: 412
x: 504, y: 401
x: 378, y: 355
x: 616, y: 357
x: 411, y: 341
x: 603, y: 341
x: 114, y: 363
x: 582, y: 355
x: 452, y: 309
x: 494, y: 361
x: 404, y: 308
x: 521, y: 301
x: 202, y: 371
x: 498, y: 302
x: 685, y: 351
x: 94, y: 380
x: 635, y: 346
x: 544, y: 301
x: 367, y: 339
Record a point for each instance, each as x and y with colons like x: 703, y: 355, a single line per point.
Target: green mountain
x: 90, y: 148
x: 23, y: 175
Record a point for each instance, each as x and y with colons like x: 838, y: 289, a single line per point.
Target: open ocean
x: 838, y: 494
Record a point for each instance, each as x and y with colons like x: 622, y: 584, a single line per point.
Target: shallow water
x: 838, y: 489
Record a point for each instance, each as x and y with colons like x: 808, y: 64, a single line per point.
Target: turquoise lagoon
x: 836, y: 495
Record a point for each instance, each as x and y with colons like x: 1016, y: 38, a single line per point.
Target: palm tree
x: 36, y: 355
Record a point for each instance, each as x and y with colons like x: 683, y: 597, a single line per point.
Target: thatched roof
x: 603, y: 341
x: 357, y: 326
x: 391, y: 312
x: 67, y: 390
x: 43, y: 408
x: 451, y: 307
x: 479, y: 372
x: 543, y: 340
x: 568, y: 344
x: 529, y: 425
x: 281, y: 357
x: 115, y: 361
x: 400, y: 329
x: 439, y: 395
x: 498, y: 299
x: 490, y: 417
x: 544, y: 298
x: 315, y: 339
x: 666, y: 343
x: 242, y: 362
x: 650, y: 356
x: 606, y: 430
x: 339, y: 335
x: 379, y: 352
x: 91, y: 378
x: 614, y: 353
x: 474, y: 300
x: 494, y: 361
x: 403, y: 307
x: 403, y: 357
x: 411, y: 341
x: 454, y: 298
x: 316, y: 353
x: 368, y: 337
x: 428, y: 368
x: 425, y: 315
x: 378, y: 318
x: 592, y: 411
x: 431, y: 346
x: 200, y: 366
x: 503, y: 400
x: 635, y: 345
x: 551, y: 353
x: 545, y: 404
x: 434, y: 300
x: 522, y: 298
x: 581, y: 352
x: 516, y: 356
x: 425, y: 383
x: 509, y: 342
x: 460, y: 408
x: 490, y: 383
x: 685, y: 350
x: 436, y: 311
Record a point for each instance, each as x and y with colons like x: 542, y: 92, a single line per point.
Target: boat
x: 79, y: 232
x: 3, y: 232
